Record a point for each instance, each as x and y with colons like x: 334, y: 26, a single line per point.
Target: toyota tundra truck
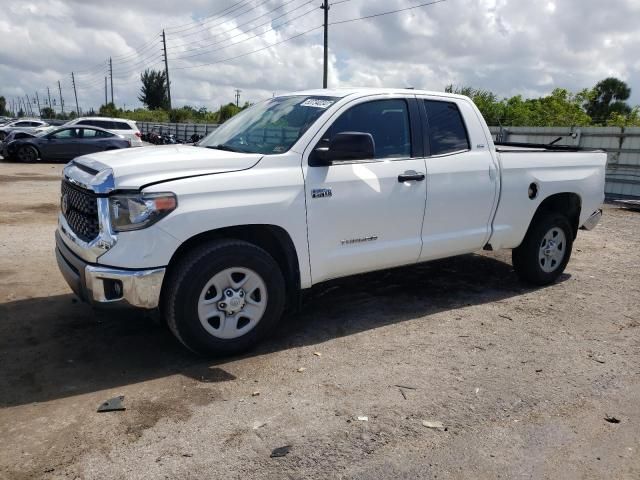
x: 221, y: 237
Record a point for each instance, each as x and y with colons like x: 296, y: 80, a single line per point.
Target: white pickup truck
x: 307, y: 187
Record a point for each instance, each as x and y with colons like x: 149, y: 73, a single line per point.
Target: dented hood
x: 134, y: 168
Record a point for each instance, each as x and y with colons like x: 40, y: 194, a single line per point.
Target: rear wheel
x: 27, y: 154
x: 545, y: 250
x: 224, y: 297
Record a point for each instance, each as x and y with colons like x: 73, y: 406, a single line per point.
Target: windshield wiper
x: 227, y: 148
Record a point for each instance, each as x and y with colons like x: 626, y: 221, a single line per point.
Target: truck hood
x: 134, y: 168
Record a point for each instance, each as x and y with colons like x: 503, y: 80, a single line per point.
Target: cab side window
x: 386, y: 120
x: 67, y: 133
x: 447, y: 133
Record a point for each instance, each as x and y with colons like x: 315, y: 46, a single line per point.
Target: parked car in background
x: 24, y: 124
x: 17, y: 134
x: 120, y: 126
x: 63, y: 143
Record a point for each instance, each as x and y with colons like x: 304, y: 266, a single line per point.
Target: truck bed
x: 552, y: 170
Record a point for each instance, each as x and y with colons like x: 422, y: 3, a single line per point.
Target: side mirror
x: 344, y: 146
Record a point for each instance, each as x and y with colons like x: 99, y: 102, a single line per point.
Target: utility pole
x: 166, y: 67
x: 49, y: 97
x: 29, y: 103
x: 38, y: 100
x: 61, y: 101
x: 238, y: 97
x: 105, y: 91
x: 111, y: 76
x: 75, y: 92
x: 325, y: 7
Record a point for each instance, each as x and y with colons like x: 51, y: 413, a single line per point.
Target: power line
x: 138, y: 50
x: 253, y: 51
x: 309, y: 31
x: 200, y: 23
x: 246, y: 23
x: 227, y: 19
x: 313, y: 9
x: 387, y: 13
x: 139, y: 65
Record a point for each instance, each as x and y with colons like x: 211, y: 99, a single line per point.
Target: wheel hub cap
x: 232, y: 302
x: 552, y: 250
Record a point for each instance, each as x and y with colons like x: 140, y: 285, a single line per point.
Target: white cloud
x: 508, y: 46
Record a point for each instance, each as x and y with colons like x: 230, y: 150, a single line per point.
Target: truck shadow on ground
x: 55, y: 347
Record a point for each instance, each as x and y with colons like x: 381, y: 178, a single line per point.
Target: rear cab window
x: 447, y: 131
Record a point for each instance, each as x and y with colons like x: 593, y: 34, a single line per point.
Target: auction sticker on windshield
x: 316, y: 103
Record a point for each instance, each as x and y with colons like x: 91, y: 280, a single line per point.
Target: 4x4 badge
x: 321, y: 193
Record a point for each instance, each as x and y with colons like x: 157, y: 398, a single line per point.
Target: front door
x: 62, y: 144
x: 367, y: 214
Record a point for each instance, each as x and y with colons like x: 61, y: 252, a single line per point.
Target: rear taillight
x: 138, y: 134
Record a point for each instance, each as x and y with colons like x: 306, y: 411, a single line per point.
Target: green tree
x: 109, y: 110
x: 153, y: 92
x: 560, y: 108
x: 608, y: 97
x: 3, y: 106
x: 487, y: 102
x: 227, y: 111
x: 182, y: 115
x: 47, y: 112
x: 631, y: 119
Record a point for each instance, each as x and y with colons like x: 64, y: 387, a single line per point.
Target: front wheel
x: 27, y: 154
x: 545, y: 250
x: 224, y: 297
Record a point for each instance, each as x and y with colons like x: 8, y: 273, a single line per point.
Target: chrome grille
x: 80, y: 209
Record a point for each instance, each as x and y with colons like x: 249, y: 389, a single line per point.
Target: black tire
x: 27, y: 154
x: 187, y: 279
x: 526, y: 261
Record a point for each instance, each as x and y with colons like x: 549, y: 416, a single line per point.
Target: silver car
x: 22, y: 124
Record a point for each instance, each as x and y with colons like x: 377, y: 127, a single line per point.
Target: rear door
x: 92, y: 141
x: 362, y: 215
x: 462, y: 179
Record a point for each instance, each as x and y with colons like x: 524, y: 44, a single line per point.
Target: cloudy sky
x: 511, y: 47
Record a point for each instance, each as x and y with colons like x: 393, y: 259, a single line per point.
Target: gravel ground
x: 521, y: 379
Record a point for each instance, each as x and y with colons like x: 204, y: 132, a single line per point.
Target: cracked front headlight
x: 134, y: 211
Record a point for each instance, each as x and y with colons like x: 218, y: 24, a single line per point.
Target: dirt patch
x: 522, y: 378
x: 44, y: 208
x: 28, y: 178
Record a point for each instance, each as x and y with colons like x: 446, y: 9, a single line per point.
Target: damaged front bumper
x: 109, y: 287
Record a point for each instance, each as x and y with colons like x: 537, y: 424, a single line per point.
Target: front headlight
x: 135, y: 211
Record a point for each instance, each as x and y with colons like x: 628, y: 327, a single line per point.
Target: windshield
x: 270, y: 127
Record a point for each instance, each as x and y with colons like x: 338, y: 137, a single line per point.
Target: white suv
x: 126, y: 128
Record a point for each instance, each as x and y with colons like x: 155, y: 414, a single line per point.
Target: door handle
x: 411, y: 177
